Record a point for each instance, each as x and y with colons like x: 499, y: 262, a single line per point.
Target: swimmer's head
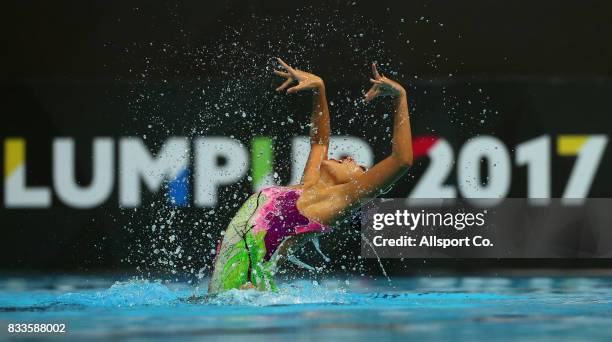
x: 343, y: 170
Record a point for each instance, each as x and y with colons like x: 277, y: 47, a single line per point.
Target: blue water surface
x: 428, y: 308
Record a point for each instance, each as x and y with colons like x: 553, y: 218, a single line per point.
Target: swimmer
x: 277, y: 221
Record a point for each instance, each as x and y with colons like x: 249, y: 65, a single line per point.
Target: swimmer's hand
x: 383, y: 86
x: 305, y: 80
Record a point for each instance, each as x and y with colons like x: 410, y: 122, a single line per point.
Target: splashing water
x: 130, y: 293
x: 299, y: 292
x: 535, y: 309
x: 223, y: 85
x: 135, y: 293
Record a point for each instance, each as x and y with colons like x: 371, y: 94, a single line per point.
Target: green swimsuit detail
x: 247, y: 253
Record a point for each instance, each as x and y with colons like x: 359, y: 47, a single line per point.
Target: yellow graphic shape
x: 569, y: 145
x: 14, y: 155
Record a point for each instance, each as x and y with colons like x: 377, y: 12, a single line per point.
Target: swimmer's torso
x: 255, y: 237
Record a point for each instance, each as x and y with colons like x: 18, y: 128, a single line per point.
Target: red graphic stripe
x: 421, y: 145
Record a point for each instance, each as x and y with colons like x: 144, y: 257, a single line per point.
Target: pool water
x: 436, y: 308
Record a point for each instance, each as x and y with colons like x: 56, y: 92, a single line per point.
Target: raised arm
x: 319, y: 117
x: 394, y: 166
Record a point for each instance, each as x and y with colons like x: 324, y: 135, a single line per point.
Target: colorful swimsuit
x: 247, y: 252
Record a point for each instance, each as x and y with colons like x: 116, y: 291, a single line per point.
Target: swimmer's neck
x: 324, y: 181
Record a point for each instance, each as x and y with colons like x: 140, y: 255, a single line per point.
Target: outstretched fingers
x: 286, y: 66
x: 285, y: 84
x: 375, y: 71
x: 282, y: 73
x: 295, y: 89
x: 288, y: 81
x: 371, y: 94
x: 376, y: 83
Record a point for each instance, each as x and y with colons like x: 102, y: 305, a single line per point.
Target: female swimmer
x: 275, y: 222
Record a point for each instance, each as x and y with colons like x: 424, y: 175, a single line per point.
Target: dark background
x: 512, y: 69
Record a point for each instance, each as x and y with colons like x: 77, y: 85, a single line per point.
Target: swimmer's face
x: 342, y: 170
